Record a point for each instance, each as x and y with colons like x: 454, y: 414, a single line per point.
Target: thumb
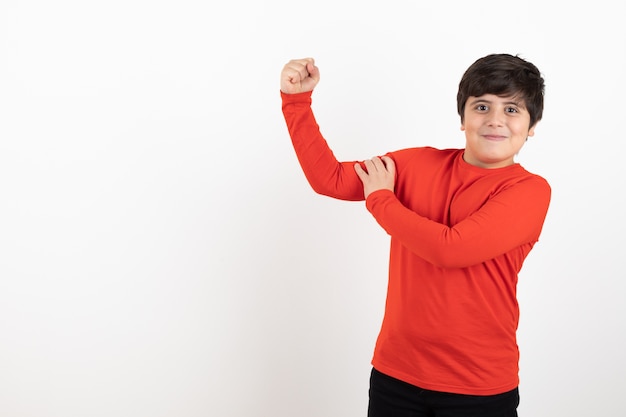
x: 313, y: 70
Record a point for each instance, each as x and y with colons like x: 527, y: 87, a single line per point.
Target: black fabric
x: 390, y: 397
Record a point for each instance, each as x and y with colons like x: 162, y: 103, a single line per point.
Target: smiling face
x: 495, y: 129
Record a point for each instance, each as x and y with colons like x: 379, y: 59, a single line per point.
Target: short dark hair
x: 503, y: 75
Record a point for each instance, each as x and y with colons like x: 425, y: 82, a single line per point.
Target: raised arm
x: 325, y: 174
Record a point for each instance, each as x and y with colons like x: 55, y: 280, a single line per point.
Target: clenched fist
x: 299, y: 76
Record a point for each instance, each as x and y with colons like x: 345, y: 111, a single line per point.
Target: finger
x: 390, y: 165
x: 370, y: 167
x: 360, y: 172
x: 313, y: 71
x: 303, y: 65
x: 291, y: 73
x: 296, y: 66
x: 297, y: 73
x: 378, y: 164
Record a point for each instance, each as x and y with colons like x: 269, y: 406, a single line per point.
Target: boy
x: 461, y: 223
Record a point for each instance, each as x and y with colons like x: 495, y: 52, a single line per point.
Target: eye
x: 511, y: 110
x: 482, y: 107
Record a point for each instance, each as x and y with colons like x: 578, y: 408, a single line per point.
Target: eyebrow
x: 483, y: 100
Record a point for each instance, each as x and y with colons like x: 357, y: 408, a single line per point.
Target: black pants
x: 390, y: 397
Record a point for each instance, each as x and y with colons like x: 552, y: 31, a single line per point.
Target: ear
x: 531, y: 131
x: 462, y: 127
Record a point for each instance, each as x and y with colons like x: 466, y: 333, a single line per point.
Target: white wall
x: 162, y: 255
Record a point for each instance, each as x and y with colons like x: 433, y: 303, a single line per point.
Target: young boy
x: 461, y: 223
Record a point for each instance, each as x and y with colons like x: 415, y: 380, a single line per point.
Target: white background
x: 162, y: 255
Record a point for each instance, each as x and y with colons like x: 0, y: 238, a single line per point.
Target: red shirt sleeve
x: 325, y: 174
x: 509, y: 219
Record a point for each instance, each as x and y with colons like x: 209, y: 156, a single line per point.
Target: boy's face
x: 495, y: 129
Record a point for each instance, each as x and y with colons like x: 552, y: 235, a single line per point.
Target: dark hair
x: 503, y: 75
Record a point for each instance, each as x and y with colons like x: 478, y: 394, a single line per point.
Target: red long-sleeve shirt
x: 459, y: 235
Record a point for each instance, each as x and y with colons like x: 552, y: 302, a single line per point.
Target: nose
x: 495, y: 118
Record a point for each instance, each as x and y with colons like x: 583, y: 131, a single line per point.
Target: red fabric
x: 459, y: 236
